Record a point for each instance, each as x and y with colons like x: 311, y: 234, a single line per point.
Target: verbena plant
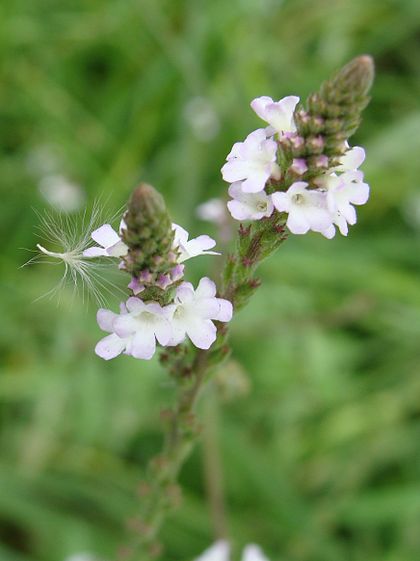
x: 296, y: 175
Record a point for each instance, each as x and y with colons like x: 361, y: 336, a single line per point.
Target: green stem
x: 213, y: 467
x: 190, y: 368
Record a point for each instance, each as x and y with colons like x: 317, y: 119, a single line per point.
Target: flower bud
x: 148, y: 233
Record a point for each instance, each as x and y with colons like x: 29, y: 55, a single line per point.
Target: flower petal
x: 202, y: 333
x: 206, y: 288
x: 135, y: 305
x: 125, y: 325
x: 95, y: 252
x: 105, y: 236
x: 143, y: 344
x: 352, y: 159
x: 181, y: 235
x: 119, y: 249
x: 297, y: 222
x: 105, y: 319
x: 110, y: 346
x: 163, y: 331
x: 255, y: 182
x: 185, y: 292
x: 225, y: 310
x: 281, y: 201
x: 359, y: 193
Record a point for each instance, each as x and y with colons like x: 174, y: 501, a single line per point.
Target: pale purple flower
x: 299, y: 166
x: 220, y: 551
x: 163, y: 281
x: 136, y: 286
x: 110, y: 243
x: 177, y: 272
x: 252, y: 161
x: 278, y: 114
x: 306, y: 208
x: 135, y: 330
x: 191, y: 248
x: 194, y: 312
x: 248, y: 206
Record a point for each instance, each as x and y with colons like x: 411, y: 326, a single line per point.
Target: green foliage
x: 321, y: 453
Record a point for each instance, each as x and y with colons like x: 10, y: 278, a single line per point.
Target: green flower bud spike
x: 149, y: 236
x: 332, y: 115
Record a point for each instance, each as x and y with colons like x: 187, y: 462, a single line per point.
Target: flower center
x: 261, y: 206
x: 180, y: 312
x: 298, y: 199
x: 148, y: 317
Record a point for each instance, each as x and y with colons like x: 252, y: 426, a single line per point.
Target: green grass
x: 320, y: 433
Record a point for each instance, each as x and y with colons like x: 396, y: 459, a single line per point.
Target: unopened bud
x: 148, y: 233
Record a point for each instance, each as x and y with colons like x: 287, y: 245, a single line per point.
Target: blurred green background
x: 319, y: 415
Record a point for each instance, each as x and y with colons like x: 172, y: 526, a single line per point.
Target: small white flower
x: 248, y: 206
x: 213, y: 210
x: 201, y: 116
x: 135, y: 330
x: 343, y: 191
x: 278, y: 114
x: 111, y: 245
x: 252, y: 161
x: 306, y: 208
x: 61, y: 193
x: 194, y: 312
x: 352, y: 159
x: 220, y: 551
x: 191, y: 248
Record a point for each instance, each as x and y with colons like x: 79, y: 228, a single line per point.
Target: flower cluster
x: 140, y: 324
x: 254, y: 170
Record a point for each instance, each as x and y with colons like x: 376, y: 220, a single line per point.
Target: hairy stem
x: 213, y: 467
x: 190, y: 367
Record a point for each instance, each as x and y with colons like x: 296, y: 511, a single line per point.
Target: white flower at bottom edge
x: 194, y: 312
x: 220, y: 551
x: 252, y: 161
x: 191, y: 248
x: 134, y: 331
x: 306, y: 208
x: 111, y: 245
x: 278, y: 114
x: 248, y: 206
